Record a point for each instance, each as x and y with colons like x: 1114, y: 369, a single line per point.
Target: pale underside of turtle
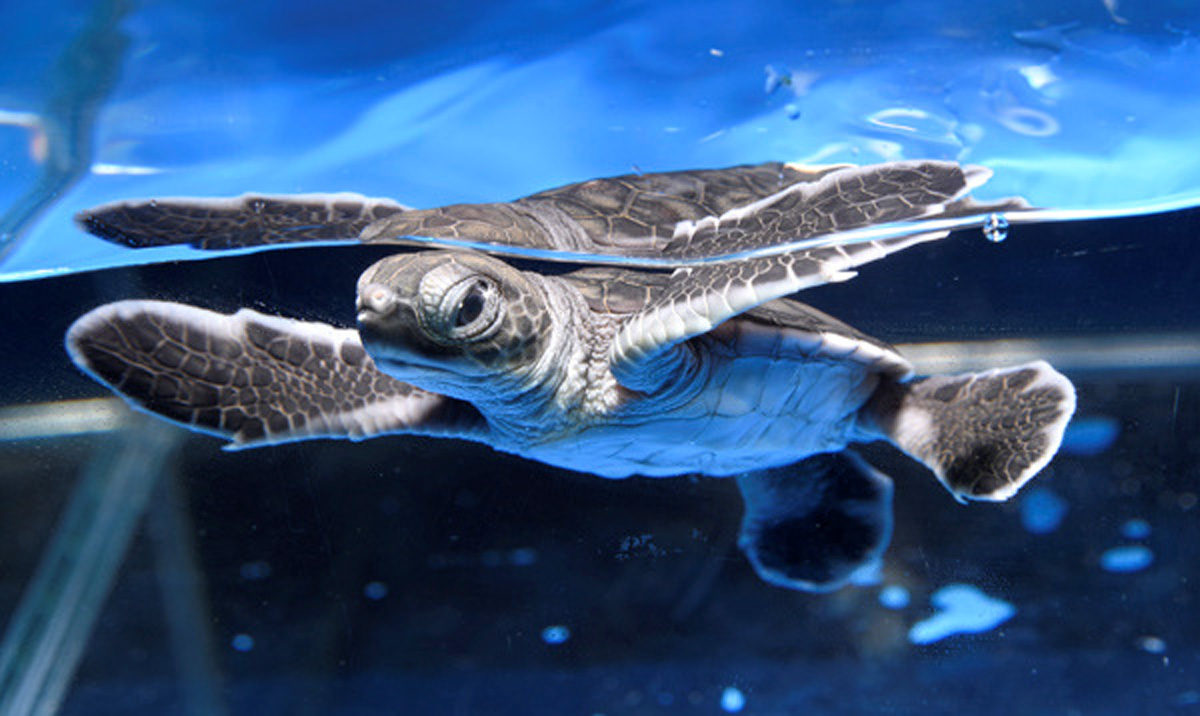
x: 613, y: 370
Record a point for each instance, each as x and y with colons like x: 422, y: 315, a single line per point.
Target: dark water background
x: 408, y: 575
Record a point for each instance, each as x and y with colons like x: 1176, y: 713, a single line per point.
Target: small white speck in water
x: 732, y: 699
x: 556, y: 634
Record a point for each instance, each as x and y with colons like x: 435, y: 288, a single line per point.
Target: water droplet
x: 995, y: 228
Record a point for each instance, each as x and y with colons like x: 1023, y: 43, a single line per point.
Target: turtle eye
x: 470, y: 307
x: 470, y: 310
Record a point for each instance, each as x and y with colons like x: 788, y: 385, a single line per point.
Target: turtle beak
x: 375, y: 302
x: 388, y: 328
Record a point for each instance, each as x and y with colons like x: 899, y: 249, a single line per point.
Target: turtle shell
x: 669, y: 216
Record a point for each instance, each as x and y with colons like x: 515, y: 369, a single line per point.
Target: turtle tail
x: 983, y: 434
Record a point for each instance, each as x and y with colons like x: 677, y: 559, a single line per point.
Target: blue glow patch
x: 732, y: 699
x: 242, y: 642
x: 1090, y: 435
x: 1135, y: 529
x: 868, y: 575
x: 1042, y: 510
x: 963, y: 609
x: 254, y: 571
x: 556, y: 634
x: 1130, y: 558
x: 894, y: 596
x: 523, y: 556
x: 375, y: 591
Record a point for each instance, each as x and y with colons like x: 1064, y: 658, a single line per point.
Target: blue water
x: 1076, y: 105
x: 419, y: 576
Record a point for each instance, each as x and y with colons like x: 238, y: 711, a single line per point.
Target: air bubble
x: 995, y: 228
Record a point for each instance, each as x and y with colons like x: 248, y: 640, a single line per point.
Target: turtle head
x: 451, y: 321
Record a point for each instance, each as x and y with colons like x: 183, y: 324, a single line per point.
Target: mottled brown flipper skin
x: 252, y: 378
x: 245, y: 221
x: 983, y: 434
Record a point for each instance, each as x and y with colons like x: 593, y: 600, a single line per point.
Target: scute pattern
x: 251, y: 377
x: 669, y: 215
x: 639, y: 212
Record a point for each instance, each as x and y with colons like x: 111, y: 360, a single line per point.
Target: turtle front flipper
x: 695, y: 300
x: 698, y: 298
x: 252, y: 378
x: 814, y: 524
x: 237, y: 222
x: 983, y: 434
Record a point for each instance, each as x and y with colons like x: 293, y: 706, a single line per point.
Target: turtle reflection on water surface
x: 616, y: 370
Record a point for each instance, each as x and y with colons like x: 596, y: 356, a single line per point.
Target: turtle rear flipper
x: 814, y: 524
x: 983, y: 434
x: 237, y: 222
x: 252, y: 378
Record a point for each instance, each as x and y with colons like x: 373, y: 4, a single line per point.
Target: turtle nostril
x: 377, y: 298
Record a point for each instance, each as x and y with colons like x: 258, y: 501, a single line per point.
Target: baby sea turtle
x: 611, y: 369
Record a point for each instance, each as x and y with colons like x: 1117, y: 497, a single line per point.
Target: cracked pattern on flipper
x: 851, y: 198
x: 250, y: 220
x: 246, y: 376
x: 1000, y: 431
x: 694, y: 300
